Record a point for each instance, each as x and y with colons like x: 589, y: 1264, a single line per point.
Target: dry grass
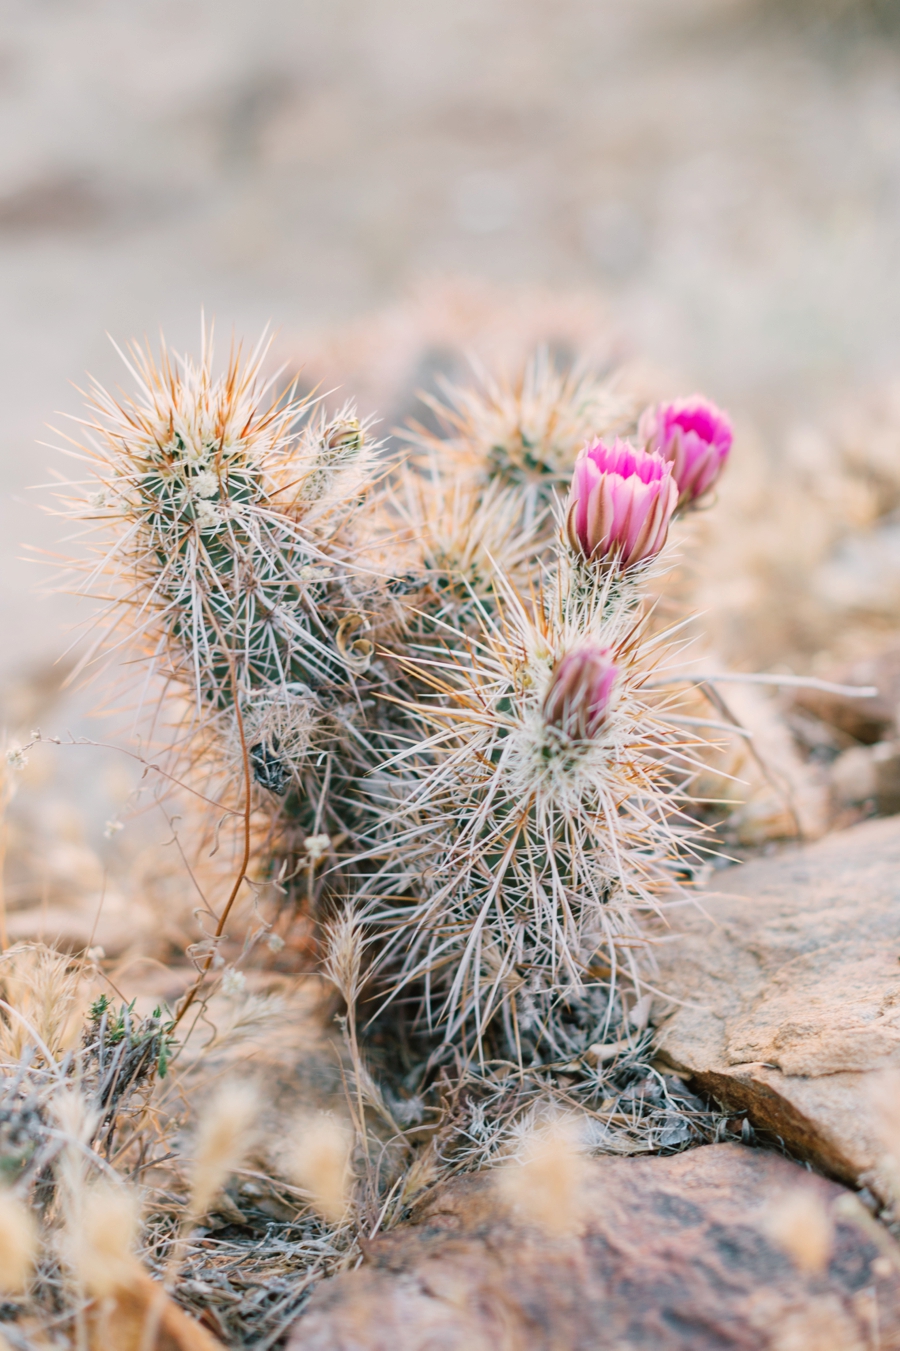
x: 102, y: 1248
x: 318, y: 1162
x: 802, y: 1227
x: 239, y: 1205
x: 544, y: 1182
x: 18, y: 1244
x: 40, y: 992
x: 223, y: 1139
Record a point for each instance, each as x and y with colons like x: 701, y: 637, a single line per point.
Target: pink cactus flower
x: 620, y: 503
x: 694, y: 436
x: 578, y: 698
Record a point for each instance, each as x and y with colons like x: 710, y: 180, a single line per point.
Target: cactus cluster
x: 434, y: 675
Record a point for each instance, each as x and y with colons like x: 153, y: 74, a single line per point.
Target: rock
x: 867, y: 720
x: 861, y: 573
x: 107, y: 923
x: 869, y: 773
x: 788, y: 982
x: 886, y: 755
x: 674, y: 1254
x: 853, y: 775
x: 774, y: 793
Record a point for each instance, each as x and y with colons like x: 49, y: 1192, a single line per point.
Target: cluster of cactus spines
x: 524, y: 433
x: 539, y: 815
x: 459, y: 537
x: 454, y: 679
x: 235, y: 565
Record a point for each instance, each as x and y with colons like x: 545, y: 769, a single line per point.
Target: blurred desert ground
x: 710, y: 185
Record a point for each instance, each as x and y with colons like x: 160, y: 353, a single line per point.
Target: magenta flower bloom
x: 578, y: 698
x: 694, y: 436
x: 620, y: 503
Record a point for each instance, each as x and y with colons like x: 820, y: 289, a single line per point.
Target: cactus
x: 429, y: 663
x: 231, y: 567
x: 542, y: 811
x: 524, y: 433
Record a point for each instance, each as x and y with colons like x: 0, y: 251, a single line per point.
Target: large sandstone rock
x: 789, y: 990
x: 673, y: 1254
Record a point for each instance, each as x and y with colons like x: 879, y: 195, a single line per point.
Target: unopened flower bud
x: 620, y: 503
x: 694, y: 436
x: 580, y: 689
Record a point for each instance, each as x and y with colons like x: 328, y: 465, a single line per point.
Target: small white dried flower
x: 96, y: 954
x: 409, y: 1112
x: 205, y: 483
x: 112, y: 828
x: 316, y: 846
x: 234, y: 983
x: 16, y: 758
x: 275, y: 943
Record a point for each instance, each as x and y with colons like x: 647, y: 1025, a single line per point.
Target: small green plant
x: 147, y: 1042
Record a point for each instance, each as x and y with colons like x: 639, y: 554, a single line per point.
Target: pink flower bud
x: 578, y: 698
x: 620, y: 503
x: 694, y: 436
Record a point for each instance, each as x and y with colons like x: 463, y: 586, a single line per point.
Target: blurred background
x: 723, y: 175
x: 712, y: 186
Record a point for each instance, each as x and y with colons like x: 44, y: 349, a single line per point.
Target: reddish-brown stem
x: 191, y: 994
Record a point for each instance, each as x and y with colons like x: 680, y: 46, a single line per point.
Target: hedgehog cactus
x: 540, y: 814
x: 231, y: 567
x: 524, y: 434
x: 472, y: 677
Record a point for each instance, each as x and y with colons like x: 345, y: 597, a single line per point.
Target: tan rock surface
x: 790, y: 994
x: 672, y: 1253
